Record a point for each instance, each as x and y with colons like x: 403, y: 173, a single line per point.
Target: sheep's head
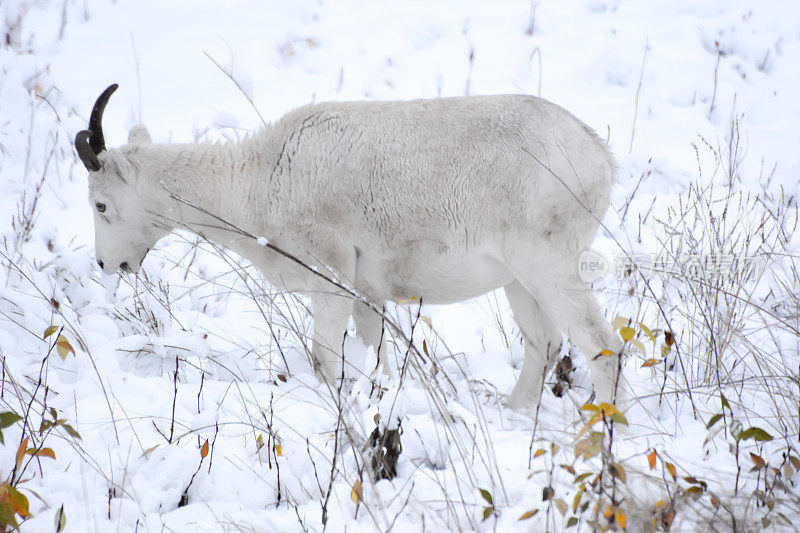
x: 124, y: 220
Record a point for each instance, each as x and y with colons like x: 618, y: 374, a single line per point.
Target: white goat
x: 442, y: 200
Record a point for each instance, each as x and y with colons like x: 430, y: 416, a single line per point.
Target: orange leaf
x: 17, y: 501
x: 46, y: 452
x: 606, y: 352
x: 650, y: 362
x: 23, y: 446
x: 357, y: 494
x: 671, y: 470
x: 204, y: 450
x: 528, y: 514
x: 621, y: 519
x: 651, y: 459
x: 609, y: 511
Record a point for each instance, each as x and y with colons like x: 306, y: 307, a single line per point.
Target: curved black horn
x: 96, y: 140
x: 87, y: 155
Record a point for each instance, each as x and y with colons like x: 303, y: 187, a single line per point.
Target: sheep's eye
x: 100, y: 207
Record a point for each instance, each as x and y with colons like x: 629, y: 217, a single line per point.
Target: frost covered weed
x: 734, y: 314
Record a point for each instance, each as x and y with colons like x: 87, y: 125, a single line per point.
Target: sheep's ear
x: 139, y: 135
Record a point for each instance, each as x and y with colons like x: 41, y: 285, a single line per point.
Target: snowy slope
x: 689, y: 94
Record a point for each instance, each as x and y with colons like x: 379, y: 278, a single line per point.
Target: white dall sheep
x: 441, y: 200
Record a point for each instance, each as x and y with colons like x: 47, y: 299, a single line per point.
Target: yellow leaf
x: 626, y: 333
x: 651, y: 459
x: 621, y: 519
x: 204, y: 450
x: 539, y: 452
x: 277, y: 449
x: 259, y: 442
x: 606, y: 352
x: 608, y: 409
x: 586, y: 448
x: 577, y: 500
x: 665, y: 350
x: 620, y: 321
x: 590, y: 407
x: 647, y: 332
x: 60, y: 520
x: 64, y: 347
x: 427, y: 320
x: 638, y: 344
x: 671, y: 470
x: 49, y: 331
x: 696, y: 492
x: 148, y: 450
x: 528, y: 514
x: 357, y: 494
x: 600, y: 411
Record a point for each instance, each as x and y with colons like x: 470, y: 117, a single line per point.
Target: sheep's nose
x: 100, y: 262
x: 124, y: 266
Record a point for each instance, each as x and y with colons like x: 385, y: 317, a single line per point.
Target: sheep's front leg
x: 331, y: 314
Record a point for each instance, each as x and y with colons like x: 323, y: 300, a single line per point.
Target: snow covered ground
x: 698, y: 100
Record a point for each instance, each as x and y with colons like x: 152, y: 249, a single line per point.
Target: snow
x: 670, y: 84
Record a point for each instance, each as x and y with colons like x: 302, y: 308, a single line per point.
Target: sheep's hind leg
x: 542, y: 342
x: 574, y: 310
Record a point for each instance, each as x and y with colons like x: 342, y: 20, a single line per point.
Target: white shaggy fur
x: 442, y: 200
